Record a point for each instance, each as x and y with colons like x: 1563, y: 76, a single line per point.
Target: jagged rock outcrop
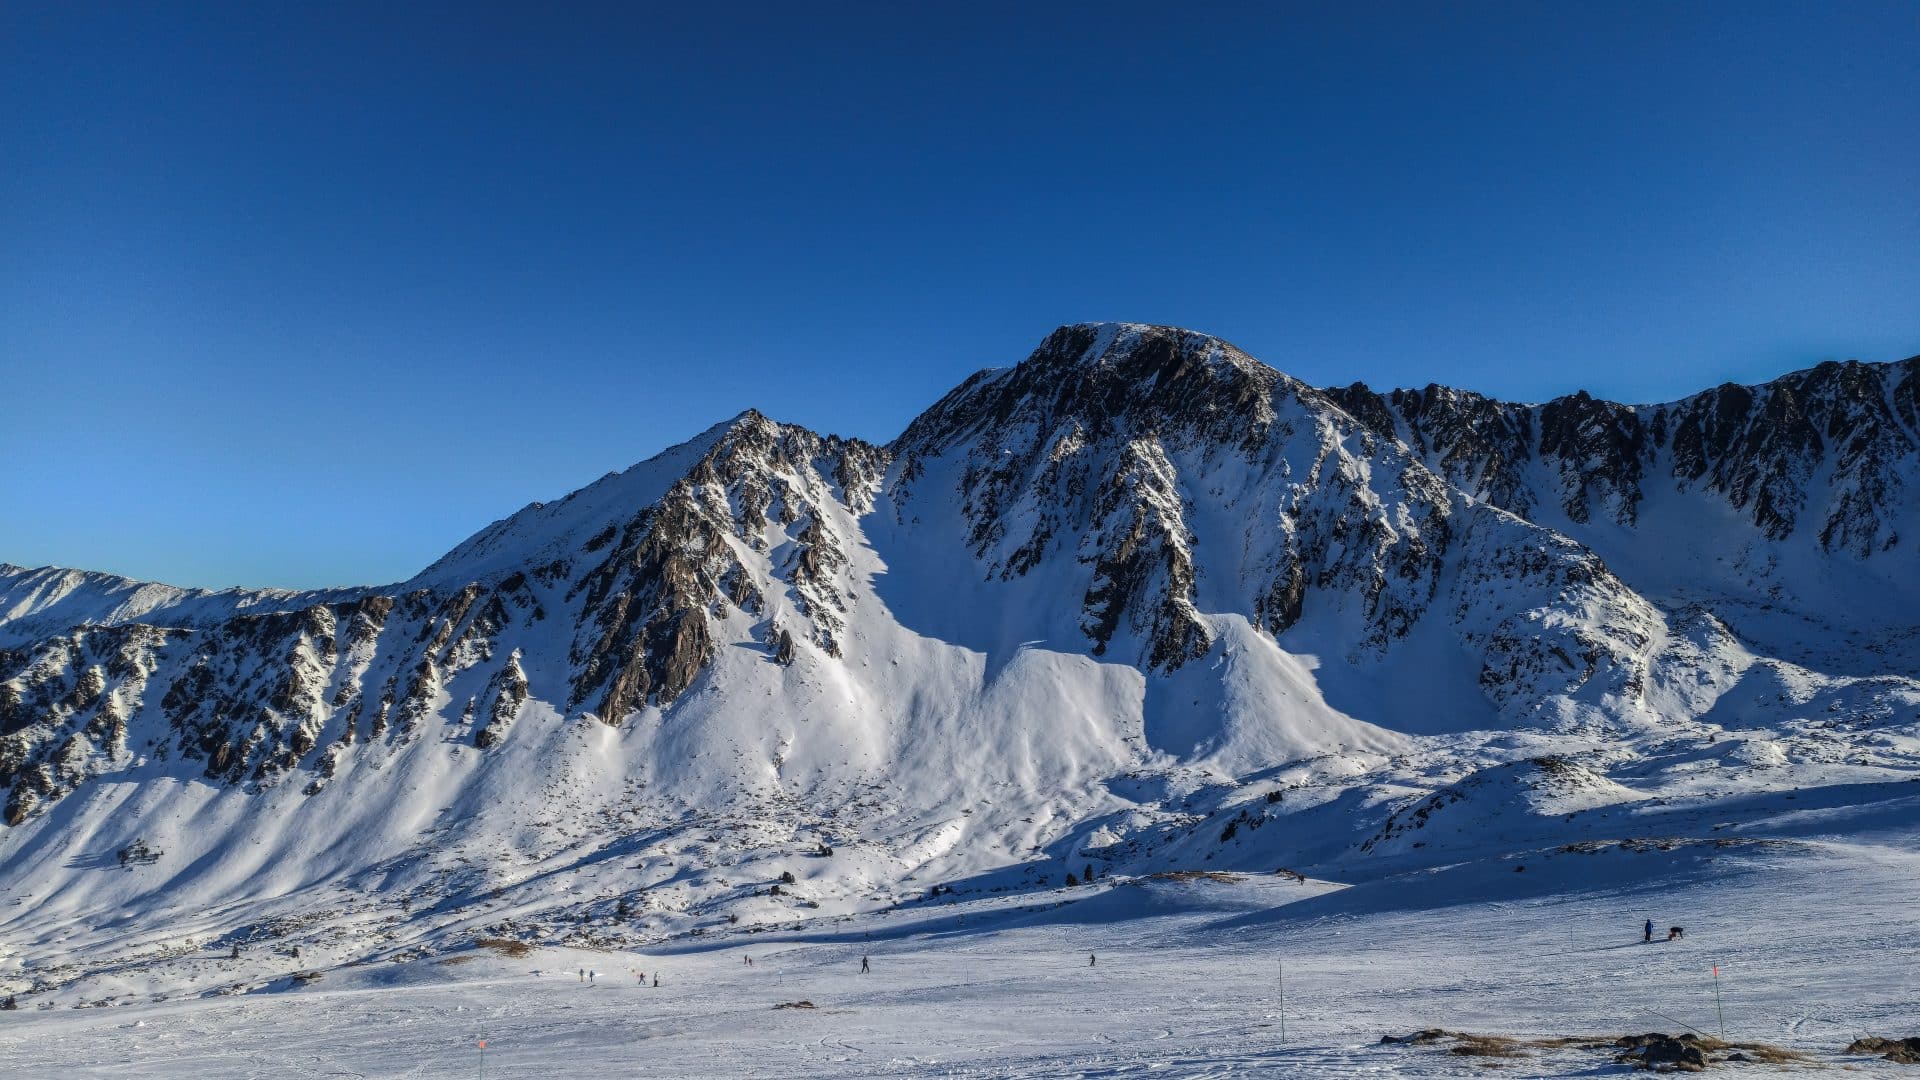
x: 65, y: 706
x: 758, y: 497
x: 508, y: 692
x: 1823, y: 455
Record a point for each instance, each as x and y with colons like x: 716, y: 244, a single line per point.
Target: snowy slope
x: 1137, y: 604
x: 42, y: 603
x: 1247, y: 976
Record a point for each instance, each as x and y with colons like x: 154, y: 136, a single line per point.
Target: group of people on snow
x: 589, y: 976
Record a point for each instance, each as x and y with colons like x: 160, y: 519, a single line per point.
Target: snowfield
x: 1812, y: 938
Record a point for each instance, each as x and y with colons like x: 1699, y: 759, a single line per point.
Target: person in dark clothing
x: 1090, y: 959
x: 863, y: 965
x: 1649, y: 936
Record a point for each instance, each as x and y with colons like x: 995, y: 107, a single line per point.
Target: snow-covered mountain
x: 1137, y: 603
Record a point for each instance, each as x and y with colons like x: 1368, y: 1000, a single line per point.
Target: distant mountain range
x: 1137, y: 603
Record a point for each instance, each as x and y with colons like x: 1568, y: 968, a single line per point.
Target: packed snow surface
x: 1243, y: 975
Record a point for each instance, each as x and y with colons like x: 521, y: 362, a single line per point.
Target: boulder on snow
x: 1899, y: 1051
x: 1418, y: 1038
x: 1663, y: 1052
x: 1464, y: 1044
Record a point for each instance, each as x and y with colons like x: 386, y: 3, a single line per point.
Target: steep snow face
x: 1123, y: 604
x: 1159, y: 481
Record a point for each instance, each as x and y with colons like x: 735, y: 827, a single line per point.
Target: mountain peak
x: 540, y: 530
x: 1106, y: 377
x: 748, y: 417
x: 1140, y: 348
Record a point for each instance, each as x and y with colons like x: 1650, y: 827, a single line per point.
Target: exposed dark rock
x: 509, y: 689
x: 1816, y: 442
x: 1418, y: 1038
x: 1899, y: 1051
x: 1665, y: 1053
x: 647, y: 634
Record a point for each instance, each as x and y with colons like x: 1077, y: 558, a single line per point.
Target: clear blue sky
x: 303, y: 294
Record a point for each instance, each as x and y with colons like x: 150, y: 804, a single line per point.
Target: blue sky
x: 303, y: 294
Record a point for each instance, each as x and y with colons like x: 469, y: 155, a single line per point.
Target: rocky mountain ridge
x: 1079, y: 605
x: 1823, y: 454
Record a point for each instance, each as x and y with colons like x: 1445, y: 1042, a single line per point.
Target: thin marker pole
x: 1717, y: 1007
x: 483, y: 1059
x: 1283, y: 1003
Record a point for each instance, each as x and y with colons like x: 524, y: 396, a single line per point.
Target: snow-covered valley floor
x: 1813, y: 939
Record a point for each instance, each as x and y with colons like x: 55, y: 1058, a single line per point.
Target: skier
x: 1649, y: 936
x: 583, y: 974
x: 1090, y: 959
x: 748, y: 959
x: 863, y: 965
x: 656, y: 979
x: 591, y: 976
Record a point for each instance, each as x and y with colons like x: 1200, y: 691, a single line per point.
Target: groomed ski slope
x: 1813, y: 939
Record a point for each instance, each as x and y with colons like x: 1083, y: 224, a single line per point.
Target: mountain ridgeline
x: 1137, y: 568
